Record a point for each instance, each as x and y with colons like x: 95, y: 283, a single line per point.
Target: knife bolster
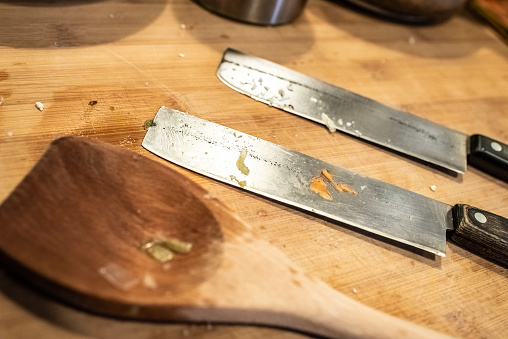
x: 489, y: 155
x: 481, y: 232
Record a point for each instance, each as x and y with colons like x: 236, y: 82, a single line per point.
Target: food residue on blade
x: 328, y: 122
x: 338, y: 187
x: 149, y: 123
x: 242, y: 183
x: 318, y: 185
x: 240, y: 163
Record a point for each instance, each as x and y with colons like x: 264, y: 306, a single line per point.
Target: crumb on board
x: 9, y: 134
x: 92, y: 102
x: 39, y: 105
x: 433, y: 188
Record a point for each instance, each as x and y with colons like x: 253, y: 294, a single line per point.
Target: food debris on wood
x: 176, y: 245
x: 149, y: 282
x: 240, y: 163
x: 92, y: 102
x: 433, y: 188
x: 39, y: 105
x: 149, y: 123
x: 118, y: 276
x: 164, y: 248
x: 157, y: 251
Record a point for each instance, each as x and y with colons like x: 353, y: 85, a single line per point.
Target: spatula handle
x: 489, y: 155
x: 482, y: 232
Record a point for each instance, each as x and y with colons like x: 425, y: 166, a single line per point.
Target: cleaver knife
x: 348, y: 112
x: 323, y: 189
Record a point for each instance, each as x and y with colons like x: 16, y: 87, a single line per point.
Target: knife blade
x: 348, y: 112
x: 322, y: 188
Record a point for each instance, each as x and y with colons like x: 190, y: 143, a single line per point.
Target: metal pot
x: 260, y: 12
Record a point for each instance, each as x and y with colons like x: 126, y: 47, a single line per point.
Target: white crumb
x: 149, y: 282
x: 328, y: 122
x: 433, y: 188
x: 39, y: 105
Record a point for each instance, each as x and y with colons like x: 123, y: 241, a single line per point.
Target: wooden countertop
x: 134, y: 56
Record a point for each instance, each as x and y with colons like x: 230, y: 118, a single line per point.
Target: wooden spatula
x: 81, y: 226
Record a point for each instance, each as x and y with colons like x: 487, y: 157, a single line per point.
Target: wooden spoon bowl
x: 74, y: 227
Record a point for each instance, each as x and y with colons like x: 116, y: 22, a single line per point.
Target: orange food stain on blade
x: 318, y: 185
x: 345, y: 188
x: 327, y: 175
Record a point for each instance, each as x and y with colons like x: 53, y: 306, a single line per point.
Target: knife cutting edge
x: 324, y: 189
x: 340, y: 109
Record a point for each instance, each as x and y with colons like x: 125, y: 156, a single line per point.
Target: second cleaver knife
x: 322, y: 188
x: 340, y: 109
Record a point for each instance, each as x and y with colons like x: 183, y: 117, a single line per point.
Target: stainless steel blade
x: 343, y: 110
x: 286, y: 175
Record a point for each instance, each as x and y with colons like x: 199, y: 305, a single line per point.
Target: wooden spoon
x: 74, y: 226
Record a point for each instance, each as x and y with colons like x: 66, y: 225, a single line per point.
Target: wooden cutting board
x: 102, y: 68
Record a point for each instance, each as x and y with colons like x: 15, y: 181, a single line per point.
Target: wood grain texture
x: 133, y: 57
x: 90, y: 205
x: 481, y: 232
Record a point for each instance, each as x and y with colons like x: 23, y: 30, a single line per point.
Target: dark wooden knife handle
x: 489, y: 155
x: 482, y: 232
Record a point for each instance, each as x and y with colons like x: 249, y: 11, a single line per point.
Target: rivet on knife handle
x: 482, y: 232
x: 489, y: 155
